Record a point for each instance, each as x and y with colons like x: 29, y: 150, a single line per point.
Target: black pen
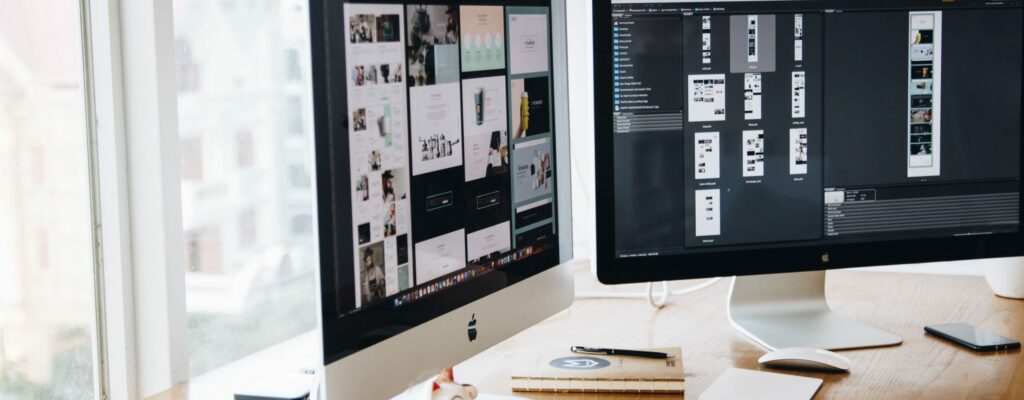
x: 619, y: 352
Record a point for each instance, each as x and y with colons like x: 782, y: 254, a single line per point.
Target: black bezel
x: 378, y: 322
x: 614, y: 270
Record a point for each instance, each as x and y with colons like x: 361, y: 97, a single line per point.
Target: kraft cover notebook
x: 566, y: 372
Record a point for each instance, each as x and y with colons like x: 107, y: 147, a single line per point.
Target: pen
x: 619, y: 352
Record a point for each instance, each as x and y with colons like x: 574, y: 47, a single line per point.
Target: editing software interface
x: 744, y: 125
x: 450, y: 140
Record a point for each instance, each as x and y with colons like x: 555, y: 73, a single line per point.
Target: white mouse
x: 806, y: 358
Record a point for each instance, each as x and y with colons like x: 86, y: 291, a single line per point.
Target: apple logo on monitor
x: 471, y: 328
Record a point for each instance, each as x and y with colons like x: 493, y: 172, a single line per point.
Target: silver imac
x: 442, y: 181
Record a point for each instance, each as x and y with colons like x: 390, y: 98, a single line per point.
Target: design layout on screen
x: 433, y: 53
x: 752, y: 43
x: 528, y: 38
x: 443, y: 192
x: 709, y: 210
x: 705, y: 39
x: 925, y: 95
x: 798, y: 151
x: 483, y: 38
x: 707, y: 97
x: 752, y: 96
x: 753, y: 153
x: 485, y: 126
x: 799, y: 94
x: 378, y: 152
x: 706, y: 155
x: 737, y: 126
x: 532, y: 115
x: 533, y: 170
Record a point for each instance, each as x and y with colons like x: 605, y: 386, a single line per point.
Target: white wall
x: 581, y: 92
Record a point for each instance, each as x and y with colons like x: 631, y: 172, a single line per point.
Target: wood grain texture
x: 923, y: 367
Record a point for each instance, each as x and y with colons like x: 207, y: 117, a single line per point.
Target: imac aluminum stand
x: 789, y: 310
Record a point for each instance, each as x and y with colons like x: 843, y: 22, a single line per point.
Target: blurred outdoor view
x: 46, y: 265
x: 246, y: 157
x: 244, y: 120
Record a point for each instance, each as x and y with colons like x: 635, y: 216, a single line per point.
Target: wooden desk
x: 921, y: 368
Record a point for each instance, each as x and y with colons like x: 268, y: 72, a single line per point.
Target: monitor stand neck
x: 789, y: 310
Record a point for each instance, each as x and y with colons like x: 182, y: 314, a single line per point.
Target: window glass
x: 244, y: 126
x: 47, y: 307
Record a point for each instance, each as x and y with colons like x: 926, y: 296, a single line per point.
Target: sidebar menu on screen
x: 648, y: 93
x: 648, y: 96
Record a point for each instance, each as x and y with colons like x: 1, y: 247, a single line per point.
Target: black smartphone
x: 972, y: 337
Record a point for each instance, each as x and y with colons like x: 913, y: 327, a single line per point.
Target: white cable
x: 649, y: 295
x: 664, y: 295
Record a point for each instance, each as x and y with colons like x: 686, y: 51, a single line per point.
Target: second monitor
x: 739, y: 138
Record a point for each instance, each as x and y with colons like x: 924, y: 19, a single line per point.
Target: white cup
x: 1006, y: 276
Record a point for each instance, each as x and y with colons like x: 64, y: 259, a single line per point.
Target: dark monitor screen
x: 435, y: 159
x: 738, y: 127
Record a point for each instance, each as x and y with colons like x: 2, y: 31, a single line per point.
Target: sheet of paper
x: 744, y: 384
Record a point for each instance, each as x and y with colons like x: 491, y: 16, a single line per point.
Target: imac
x: 442, y: 183
x: 745, y: 138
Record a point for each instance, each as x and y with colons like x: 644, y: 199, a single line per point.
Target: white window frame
x: 129, y: 58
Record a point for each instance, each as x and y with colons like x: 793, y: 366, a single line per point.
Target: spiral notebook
x: 566, y: 372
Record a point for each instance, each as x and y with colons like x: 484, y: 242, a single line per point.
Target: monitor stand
x: 789, y: 310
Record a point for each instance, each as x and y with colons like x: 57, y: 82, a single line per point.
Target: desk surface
x: 922, y: 367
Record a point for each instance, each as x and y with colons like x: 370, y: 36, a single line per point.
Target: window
x: 188, y: 71
x: 298, y: 176
x: 191, y: 159
x: 202, y: 251
x: 295, y: 116
x: 246, y: 149
x: 43, y: 247
x: 302, y: 225
x: 247, y: 228
x: 46, y: 262
x: 250, y: 262
x: 294, y: 68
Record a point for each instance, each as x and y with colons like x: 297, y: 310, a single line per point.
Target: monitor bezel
x: 614, y: 270
x: 343, y: 337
